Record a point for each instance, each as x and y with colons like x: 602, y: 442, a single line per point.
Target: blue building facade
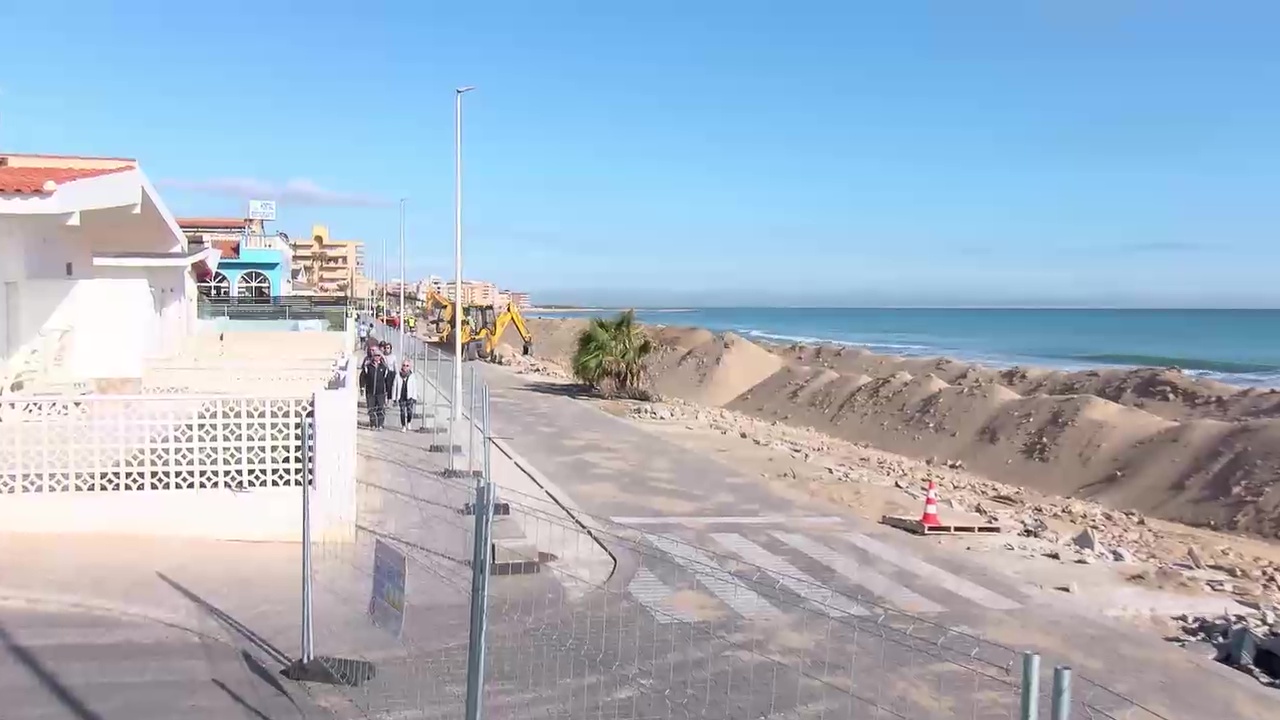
x: 253, y: 264
x: 256, y: 272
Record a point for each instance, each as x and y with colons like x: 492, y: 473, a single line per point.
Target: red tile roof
x: 211, y: 223
x: 230, y: 249
x: 31, y: 180
x: 69, y: 157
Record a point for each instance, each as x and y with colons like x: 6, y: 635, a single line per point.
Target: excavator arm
x: 510, y: 316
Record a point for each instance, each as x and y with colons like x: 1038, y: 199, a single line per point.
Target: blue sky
x: 1106, y: 152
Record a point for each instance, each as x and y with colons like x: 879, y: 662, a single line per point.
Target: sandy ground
x: 1155, y: 441
x: 1021, y: 448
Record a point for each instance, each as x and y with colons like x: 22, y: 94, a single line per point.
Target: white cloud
x: 297, y: 191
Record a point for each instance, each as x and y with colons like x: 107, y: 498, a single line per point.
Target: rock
x: 1086, y: 540
x: 1219, y: 585
x: 1033, y: 527
x: 1122, y: 555
x: 1197, y: 561
x: 1068, y: 588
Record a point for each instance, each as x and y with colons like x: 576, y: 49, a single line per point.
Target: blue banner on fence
x: 386, y: 605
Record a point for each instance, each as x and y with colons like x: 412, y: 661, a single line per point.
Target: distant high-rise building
x: 332, y: 267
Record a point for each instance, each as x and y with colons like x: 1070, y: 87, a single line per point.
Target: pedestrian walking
x: 404, y: 392
x: 389, y: 356
x: 376, y: 379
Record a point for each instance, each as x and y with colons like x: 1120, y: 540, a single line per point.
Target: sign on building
x: 386, y: 604
x: 262, y: 210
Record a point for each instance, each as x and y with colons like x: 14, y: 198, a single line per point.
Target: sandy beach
x: 1155, y: 441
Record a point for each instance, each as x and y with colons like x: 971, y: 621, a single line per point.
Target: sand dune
x: 1154, y: 440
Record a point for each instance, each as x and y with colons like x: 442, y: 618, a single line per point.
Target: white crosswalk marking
x: 656, y: 596
x: 910, y: 563
x: 723, y: 585
x: 859, y: 574
x: 789, y: 575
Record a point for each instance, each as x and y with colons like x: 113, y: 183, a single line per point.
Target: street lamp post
x: 457, y: 247
x: 400, y: 324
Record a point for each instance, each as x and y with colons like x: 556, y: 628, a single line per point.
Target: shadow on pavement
x: 560, y: 389
x: 47, y: 678
x: 231, y: 623
x: 235, y: 697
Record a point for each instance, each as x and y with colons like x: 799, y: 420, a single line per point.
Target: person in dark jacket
x: 376, y: 380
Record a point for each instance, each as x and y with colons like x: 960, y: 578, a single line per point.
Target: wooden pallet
x: 914, y: 525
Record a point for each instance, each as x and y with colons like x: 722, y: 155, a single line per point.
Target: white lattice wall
x: 123, y: 443
x: 210, y: 466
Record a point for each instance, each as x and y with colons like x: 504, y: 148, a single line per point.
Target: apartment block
x: 332, y: 267
x: 474, y: 292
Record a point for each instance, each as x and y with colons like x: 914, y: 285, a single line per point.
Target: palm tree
x: 610, y: 355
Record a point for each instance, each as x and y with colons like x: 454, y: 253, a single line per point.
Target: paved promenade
x: 678, y: 499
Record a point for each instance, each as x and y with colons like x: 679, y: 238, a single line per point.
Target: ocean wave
x: 811, y: 340
x: 1222, y: 367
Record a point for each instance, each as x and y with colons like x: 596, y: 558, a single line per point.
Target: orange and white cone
x: 930, y: 516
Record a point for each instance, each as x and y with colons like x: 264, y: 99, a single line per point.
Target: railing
x: 266, y: 242
x: 41, y: 361
x: 331, y: 311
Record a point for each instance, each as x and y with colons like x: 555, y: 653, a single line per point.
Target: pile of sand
x: 1153, y: 440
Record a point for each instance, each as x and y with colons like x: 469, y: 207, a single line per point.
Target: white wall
x: 112, y: 323
x: 172, y: 303
x: 116, y: 329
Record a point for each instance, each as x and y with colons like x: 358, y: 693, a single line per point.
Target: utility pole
x: 457, y: 248
x: 402, y: 315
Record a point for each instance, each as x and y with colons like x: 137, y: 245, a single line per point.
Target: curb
x: 561, y: 499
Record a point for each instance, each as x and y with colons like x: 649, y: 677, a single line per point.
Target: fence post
x: 1061, y: 693
x: 479, y: 598
x: 487, y: 434
x: 1030, y: 686
x: 472, y: 426
x: 435, y: 403
x: 308, y: 639
x: 454, y: 418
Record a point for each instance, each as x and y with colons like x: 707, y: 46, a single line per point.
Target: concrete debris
x: 1086, y: 540
x: 1050, y: 529
x: 1247, y: 643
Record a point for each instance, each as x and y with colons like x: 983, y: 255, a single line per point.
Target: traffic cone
x: 930, y: 516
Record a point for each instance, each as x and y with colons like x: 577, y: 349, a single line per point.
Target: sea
x: 1241, y: 347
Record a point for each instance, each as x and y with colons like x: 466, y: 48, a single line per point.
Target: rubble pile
x: 1066, y: 530
x: 527, y: 364
x: 1250, y: 643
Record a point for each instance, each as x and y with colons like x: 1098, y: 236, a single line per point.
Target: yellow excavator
x: 482, y: 328
x: 437, y: 310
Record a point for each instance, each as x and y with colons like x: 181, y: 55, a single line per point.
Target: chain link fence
x: 469, y: 592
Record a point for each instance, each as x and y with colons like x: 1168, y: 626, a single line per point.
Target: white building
x: 97, y: 277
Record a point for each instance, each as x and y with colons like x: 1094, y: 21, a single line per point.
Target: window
x: 215, y: 286
x: 253, y: 284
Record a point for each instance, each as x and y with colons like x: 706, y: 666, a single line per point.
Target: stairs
x: 41, y: 367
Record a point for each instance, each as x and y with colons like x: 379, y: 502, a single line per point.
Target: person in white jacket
x: 404, y: 392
